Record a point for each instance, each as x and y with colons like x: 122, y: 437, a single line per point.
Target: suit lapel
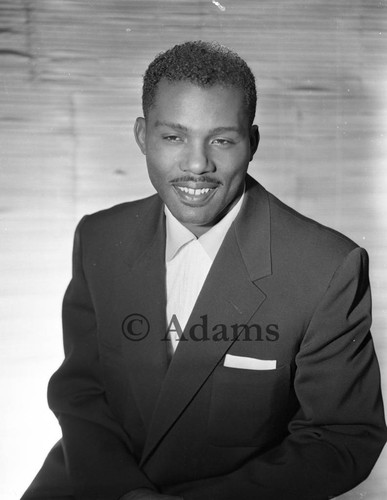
x: 142, y: 306
x: 229, y: 296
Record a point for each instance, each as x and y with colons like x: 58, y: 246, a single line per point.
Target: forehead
x: 184, y: 100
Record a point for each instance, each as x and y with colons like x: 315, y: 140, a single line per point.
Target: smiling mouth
x: 194, y: 192
x: 194, y: 196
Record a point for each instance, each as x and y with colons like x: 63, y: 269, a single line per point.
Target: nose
x: 197, y: 160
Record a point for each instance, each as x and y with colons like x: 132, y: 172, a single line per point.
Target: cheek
x: 153, y: 171
x: 161, y: 159
x: 156, y: 161
x: 232, y: 161
x: 236, y: 171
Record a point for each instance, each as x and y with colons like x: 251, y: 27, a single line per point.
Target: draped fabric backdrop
x: 70, y: 82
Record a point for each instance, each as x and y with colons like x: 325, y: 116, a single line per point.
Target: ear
x: 254, y: 140
x: 140, y: 134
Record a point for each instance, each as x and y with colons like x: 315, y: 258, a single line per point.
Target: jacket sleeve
x: 339, y: 431
x: 97, y: 451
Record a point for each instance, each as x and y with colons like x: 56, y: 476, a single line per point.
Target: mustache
x: 190, y: 178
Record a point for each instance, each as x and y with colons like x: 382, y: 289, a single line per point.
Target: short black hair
x: 204, y: 64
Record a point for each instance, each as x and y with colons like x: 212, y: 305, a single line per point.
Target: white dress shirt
x: 188, y: 261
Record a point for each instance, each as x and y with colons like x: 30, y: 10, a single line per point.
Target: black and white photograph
x: 193, y: 249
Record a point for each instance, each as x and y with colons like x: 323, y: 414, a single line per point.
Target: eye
x: 172, y: 138
x: 222, y: 142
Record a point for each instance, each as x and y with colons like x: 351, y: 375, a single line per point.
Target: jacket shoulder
x: 111, y: 220
x: 299, y: 230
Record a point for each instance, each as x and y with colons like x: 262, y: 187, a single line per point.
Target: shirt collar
x: 178, y: 235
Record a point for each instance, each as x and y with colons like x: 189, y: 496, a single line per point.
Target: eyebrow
x: 183, y: 128
x: 175, y: 126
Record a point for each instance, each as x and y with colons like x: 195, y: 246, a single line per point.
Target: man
x: 217, y: 342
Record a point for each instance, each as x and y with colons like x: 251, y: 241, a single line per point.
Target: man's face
x: 198, y: 144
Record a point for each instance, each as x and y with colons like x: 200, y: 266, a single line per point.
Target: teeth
x: 194, y: 192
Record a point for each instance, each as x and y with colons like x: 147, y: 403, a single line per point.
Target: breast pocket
x: 248, y: 406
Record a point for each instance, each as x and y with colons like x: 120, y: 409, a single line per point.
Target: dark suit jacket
x: 296, y: 292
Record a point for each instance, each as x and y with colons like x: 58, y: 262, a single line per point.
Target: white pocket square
x: 246, y: 363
